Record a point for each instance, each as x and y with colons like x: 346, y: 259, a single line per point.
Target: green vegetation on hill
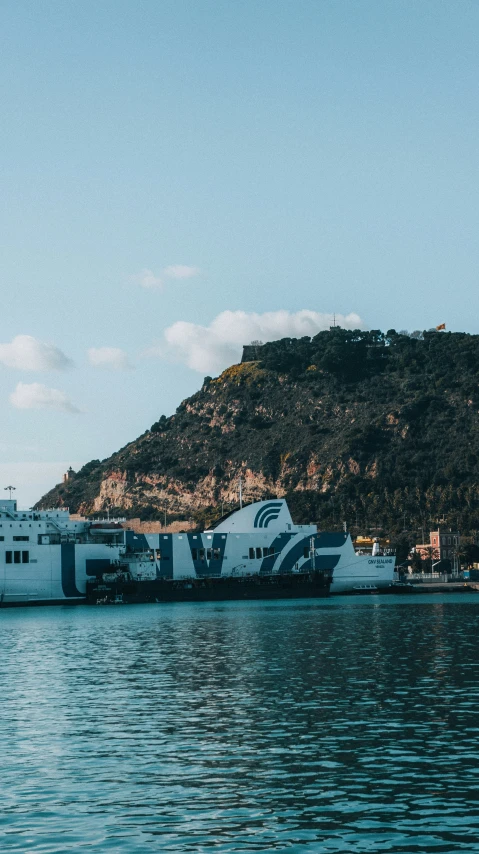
x: 380, y: 430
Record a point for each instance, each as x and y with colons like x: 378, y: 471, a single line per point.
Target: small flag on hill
x: 441, y: 326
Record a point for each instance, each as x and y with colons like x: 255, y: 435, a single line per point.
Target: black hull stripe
x: 68, y: 571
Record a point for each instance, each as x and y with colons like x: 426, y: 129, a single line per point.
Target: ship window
x: 25, y: 557
x: 216, y: 554
x: 17, y: 557
x: 208, y: 554
x: 158, y: 554
x: 195, y: 537
x: 21, y: 539
x: 8, y: 557
x: 202, y: 554
x: 208, y: 536
x: 265, y: 552
x: 258, y: 554
x: 251, y: 554
x: 194, y: 554
x: 305, y: 552
x: 2, y: 539
x: 271, y: 551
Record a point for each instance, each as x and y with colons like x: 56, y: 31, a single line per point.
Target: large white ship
x: 48, y: 557
x: 262, y: 538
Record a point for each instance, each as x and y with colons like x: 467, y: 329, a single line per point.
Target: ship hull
x: 295, y: 586
x: 55, y: 574
x: 363, y: 574
x: 31, y: 602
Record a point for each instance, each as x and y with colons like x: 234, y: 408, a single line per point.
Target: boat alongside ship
x: 126, y: 589
x: 254, y: 552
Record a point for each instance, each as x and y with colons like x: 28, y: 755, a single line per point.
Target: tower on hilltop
x: 252, y: 352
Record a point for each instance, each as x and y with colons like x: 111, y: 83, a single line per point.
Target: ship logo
x: 267, y: 513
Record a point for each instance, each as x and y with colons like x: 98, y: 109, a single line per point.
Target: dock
x: 434, y: 587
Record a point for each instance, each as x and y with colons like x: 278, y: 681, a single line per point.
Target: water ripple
x: 346, y: 725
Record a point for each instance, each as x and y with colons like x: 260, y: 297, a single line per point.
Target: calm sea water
x: 342, y: 725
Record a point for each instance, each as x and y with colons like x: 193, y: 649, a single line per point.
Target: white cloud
x: 147, y: 278
x: 39, y: 396
x: 109, y: 357
x: 26, y: 353
x: 180, y: 271
x: 210, y: 349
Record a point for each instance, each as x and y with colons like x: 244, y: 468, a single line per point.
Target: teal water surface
x: 347, y: 724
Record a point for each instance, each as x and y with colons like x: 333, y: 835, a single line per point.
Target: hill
x: 378, y: 429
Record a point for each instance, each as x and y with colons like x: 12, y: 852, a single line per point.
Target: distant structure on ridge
x: 252, y: 352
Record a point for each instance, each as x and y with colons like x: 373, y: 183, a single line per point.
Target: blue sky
x: 166, y: 165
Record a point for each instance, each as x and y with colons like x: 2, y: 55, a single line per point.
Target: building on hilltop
x: 252, y: 352
x: 69, y: 475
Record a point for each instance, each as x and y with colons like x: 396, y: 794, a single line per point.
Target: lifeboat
x: 106, y: 527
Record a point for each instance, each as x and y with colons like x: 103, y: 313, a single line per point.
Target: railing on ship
x: 56, y: 539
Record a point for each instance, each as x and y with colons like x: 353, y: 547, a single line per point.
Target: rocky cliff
x: 381, y: 430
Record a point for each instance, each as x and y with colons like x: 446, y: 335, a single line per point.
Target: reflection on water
x: 325, y: 726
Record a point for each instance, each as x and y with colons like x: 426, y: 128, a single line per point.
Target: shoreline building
x: 443, y: 546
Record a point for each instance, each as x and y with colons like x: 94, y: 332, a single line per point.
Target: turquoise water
x: 347, y: 724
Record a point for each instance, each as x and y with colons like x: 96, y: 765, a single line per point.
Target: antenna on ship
x: 240, y: 485
x: 10, y: 490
